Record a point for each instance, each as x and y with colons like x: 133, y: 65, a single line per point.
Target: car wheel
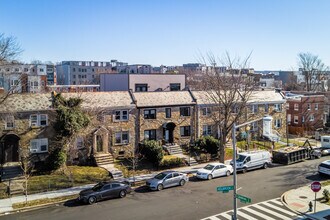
x: 228, y: 173
x: 244, y: 170
x: 92, y: 200
x: 182, y: 182
x: 122, y: 194
x: 160, y: 187
x: 265, y: 165
x: 209, y: 177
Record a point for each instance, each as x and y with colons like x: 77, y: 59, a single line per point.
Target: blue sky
x: 169, y: 32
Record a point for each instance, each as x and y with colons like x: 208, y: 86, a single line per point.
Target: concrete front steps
x: 173, y: 149
x: 103, y: 159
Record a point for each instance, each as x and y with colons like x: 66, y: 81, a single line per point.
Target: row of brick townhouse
x: 122, y: 119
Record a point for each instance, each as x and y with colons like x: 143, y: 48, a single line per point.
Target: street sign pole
x: 315, y: 186
x: 315, y: 203
x: 234, y: 217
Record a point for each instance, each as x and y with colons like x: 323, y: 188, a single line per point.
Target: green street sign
x: 243, y: 199
x: 225, y: 189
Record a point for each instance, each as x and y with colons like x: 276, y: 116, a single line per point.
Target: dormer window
x: 38, y: 120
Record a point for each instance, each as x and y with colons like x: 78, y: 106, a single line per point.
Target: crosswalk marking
x: 273, y: 213
x: 258, y: 213
x: 269, y: 210
x: 281, y: 210
x: 245, y: 216
x: 226, y: 216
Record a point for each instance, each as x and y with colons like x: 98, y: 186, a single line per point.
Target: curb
x: 31, y: 208
x: 297, y: 212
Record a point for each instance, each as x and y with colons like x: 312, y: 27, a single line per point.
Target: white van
x: 252, y: 160
x: 324, y: 168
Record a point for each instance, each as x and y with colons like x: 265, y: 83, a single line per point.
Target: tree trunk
x: 222, y: 144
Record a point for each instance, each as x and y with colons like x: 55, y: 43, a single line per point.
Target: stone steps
x: 191, y: 161
x: 173, y: 149
x: 103, y: 159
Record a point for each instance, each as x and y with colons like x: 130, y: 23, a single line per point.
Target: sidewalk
x: 298, y: 201
x: 6, y: 204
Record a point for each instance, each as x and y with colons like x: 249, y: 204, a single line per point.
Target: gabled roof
x: 155, y: 99
x: 27, y: 102
x: 268, y: 96
x: 92, y: 100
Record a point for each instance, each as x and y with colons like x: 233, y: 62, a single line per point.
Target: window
x: 289, y: 118
x: 206, y: 111
x: 277, y: 123
x: 79, y: 143
x: 311, y: 118
x: 39, y: 145
x: 185, y: 131
x: 121, y: 115
x: 41, y: 69
x: 150, y: 134
x: 303, y: 119
x: 308, y: 106
x: 38, y: 120
x: 185, y: 111
x: 278, y: 107
x: 150, y: 114
x: 121, y: 137
x: 316, y: 107
x: 175, y: 86
x: 254, y: 126
x: 254, y: 109
x: 296, y: 106
x: 74, y: 76
x: 266, y: 108
x: 10, y: 122
x: 168, y: 112
x: 141, y: 87
x: 295, y: 119
x: 207, y: 130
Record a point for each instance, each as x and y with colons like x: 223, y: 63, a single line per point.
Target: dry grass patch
x: 38, y: 202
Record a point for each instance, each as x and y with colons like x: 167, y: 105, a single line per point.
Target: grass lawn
x: 37, y: 202
x: 3, y: 191
x: 79, y: 175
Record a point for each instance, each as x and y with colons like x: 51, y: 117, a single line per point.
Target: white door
x: 223, y: 170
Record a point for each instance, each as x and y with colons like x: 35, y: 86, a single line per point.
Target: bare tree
x: 27, y: 167
x: 228, y: 91
x: 9, y: 49
x: 313, y: 69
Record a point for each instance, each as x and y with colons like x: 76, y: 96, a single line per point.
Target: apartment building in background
x: 142, y: 82
x: 32, y: 78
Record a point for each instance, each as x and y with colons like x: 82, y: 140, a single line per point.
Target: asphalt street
x: 197, y: 199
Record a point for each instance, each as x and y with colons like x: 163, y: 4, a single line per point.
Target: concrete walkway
x: 6, y: 204
x: 298, y: 201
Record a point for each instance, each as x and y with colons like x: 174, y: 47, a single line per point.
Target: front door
x: 10, y: 149
x: 168, y: 135
x: 99, y: 143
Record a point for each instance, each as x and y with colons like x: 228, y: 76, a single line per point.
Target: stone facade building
x: 120, y: 120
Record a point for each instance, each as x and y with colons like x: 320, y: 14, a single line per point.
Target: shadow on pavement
x: 142, y: 189
x: 73, y: 203
x: 317, y: 177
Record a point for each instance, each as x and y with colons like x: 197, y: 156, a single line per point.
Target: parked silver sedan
x: 167, y: 179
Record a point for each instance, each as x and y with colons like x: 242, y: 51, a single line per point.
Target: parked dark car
x: 104, y: 190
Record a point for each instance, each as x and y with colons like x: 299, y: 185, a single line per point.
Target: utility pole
x: 234, y: 216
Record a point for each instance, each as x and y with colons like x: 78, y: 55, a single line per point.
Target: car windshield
x: 160, y: 176
x: 240, y: 158
x: 209, y: 167
x: 97, y: 187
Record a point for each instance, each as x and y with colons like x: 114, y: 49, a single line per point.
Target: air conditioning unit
x: 34, y: 124
x: 34, y: 150
x: 125, y: 142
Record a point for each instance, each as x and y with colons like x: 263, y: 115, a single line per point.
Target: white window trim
x: 207, y: 130
x: 6, y: 122
x: 206, y: 110
x: 316, y: 106
x: 38, y: 122
x: 121, y: 137
x: 278, y: 123
x: 39, y: 143
x: 121, y: 115
x: 296, y: 107
x: 294, y: 119
x: 311, y: 118
x: 309, y: 106
x: 278, y: 107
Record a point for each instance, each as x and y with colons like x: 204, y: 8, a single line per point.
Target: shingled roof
x: 171, y: 98
x: 116, y: 99
x: 27, y: 102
